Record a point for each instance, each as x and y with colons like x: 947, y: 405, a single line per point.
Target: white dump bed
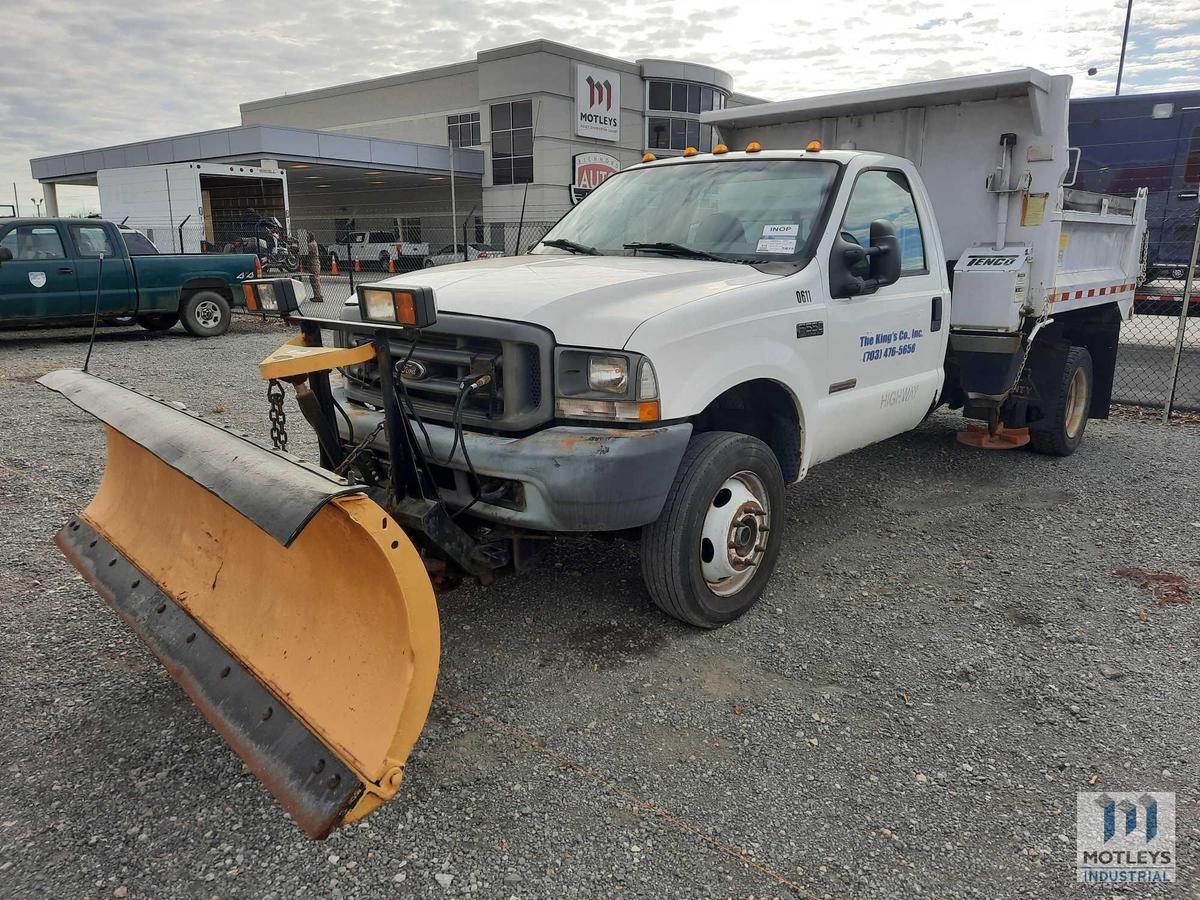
x: 1023, y: 242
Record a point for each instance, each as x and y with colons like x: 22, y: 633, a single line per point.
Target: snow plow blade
x: 288, y: 605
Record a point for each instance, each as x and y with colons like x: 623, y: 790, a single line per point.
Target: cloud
x: 79, y: 74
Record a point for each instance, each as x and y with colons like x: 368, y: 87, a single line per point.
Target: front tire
x: 710, y: 554
x: 205, y: 314
x: 1070, y: 403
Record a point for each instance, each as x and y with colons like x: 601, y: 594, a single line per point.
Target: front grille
x: 514, y: 354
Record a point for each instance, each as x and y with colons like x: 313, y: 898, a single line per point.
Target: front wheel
x: 1070, y: 402
x: 710, y: 554
x: 205, y: 314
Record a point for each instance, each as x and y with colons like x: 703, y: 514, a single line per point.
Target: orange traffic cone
x: 357, y: 266
x: 391, y: 266
x: 333, y: 266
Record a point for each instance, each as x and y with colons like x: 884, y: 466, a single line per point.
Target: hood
x: 586, y: 301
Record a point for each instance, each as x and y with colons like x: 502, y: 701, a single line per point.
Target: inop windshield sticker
x: 778, y: 239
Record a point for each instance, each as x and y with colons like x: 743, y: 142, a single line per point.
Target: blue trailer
x: 1146, y: 140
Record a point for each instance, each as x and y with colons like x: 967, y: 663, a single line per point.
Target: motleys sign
x: 597, y: 103
x: 590, y: 171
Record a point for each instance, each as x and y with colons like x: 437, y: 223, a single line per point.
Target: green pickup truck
x: 50, y: 270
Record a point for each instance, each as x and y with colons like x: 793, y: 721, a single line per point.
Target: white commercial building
x: 533, y: 126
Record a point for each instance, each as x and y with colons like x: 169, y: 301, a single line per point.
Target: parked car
x: 375, y: 249
x: 452, y: 253
x: 50, y: 270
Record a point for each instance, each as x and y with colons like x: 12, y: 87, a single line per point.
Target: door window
x: 885, y: 194
x: 32, y: 242
x: 91, y: 240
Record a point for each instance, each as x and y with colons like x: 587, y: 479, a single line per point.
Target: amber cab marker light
x: 720, y: 148
x: 813, y: 147
x: 753, y: 147
x: 648, y: 411
x: 690, y: 151
x: 648, y: 157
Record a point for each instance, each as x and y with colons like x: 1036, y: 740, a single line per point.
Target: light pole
x: 1124, y: 41
x: 37, y: 203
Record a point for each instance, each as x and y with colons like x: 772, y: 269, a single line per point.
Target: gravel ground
x: 943, y: 659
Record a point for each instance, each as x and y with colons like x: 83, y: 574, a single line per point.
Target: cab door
x: 118, y: 294
x: 886, y: 349
x: 38, y: 282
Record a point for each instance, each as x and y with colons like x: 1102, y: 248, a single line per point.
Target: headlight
x: 397, y: 306
x: 281, y: 296
x: 606, y: 386
x: 266, y: 296
x: 608, y: 373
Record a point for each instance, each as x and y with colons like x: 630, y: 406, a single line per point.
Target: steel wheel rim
x: 208, y: 314
x: 1076, y: 403
x: 735, y: 533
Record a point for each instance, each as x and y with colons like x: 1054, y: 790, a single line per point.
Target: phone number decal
x: 889, y: 344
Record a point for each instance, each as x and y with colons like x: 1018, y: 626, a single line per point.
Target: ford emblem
x: 413, y: 370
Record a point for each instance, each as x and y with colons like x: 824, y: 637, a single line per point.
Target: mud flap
x: 288, y: 605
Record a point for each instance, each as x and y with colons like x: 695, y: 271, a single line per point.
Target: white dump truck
x: 693, y: 336
x: 702, y: 330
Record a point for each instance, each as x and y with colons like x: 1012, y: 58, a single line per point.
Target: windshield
x: 750, y: 210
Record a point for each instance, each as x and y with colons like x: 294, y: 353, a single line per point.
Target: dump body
x: 993, y: 153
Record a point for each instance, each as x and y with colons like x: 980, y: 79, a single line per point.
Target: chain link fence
x: 1159, y: 360
x: 361, y: 242
x: 340, y: 249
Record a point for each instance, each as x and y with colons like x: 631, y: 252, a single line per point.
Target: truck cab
x: 51, y: 268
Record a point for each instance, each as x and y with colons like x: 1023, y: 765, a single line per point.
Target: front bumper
x: 571, y: 478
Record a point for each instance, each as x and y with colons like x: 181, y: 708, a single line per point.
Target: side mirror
x: 854, y: 271
x: 884, y: 254
x: 5, y: 254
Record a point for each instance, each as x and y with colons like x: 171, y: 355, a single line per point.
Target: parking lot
x: 944, y: 658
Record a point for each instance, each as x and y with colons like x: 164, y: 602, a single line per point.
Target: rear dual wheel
x: 1070, y: 402
x: 710, y: 554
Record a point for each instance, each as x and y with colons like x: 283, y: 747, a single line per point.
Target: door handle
x: 1187, y: 195
x: 935, y: 319
x: 65, y: 270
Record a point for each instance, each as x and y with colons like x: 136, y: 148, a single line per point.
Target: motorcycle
x: 276, y: 250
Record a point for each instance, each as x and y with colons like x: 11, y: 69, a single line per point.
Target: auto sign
x: 590, y: 170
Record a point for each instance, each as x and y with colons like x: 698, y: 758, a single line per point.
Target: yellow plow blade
x: 289, y: 606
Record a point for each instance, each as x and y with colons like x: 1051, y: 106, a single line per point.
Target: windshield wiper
x: 564, y: 244
x: 677, y: 250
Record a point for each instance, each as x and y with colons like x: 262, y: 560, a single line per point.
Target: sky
x: 80, y: 74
